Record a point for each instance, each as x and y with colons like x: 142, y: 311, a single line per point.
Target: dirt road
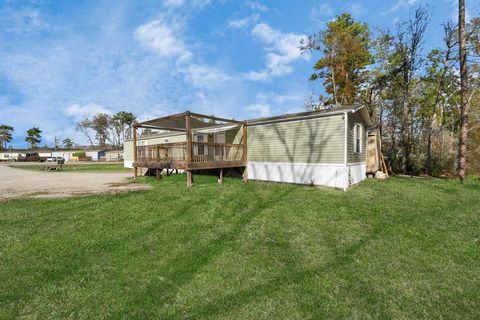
x: 21, y: 183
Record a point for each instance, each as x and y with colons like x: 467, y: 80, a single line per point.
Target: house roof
x: 312, y: 114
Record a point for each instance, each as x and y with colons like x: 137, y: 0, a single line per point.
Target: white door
x: 200, y: 151
x: 219, y: 152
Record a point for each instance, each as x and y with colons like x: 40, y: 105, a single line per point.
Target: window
x: 357, y: 138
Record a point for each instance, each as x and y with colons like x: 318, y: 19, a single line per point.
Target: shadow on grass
x: 78, y: 257
x: 183, y: 268
x: 301, y: 279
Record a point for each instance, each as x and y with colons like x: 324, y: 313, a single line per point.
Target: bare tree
x: 462, y: 150
x: 407, y: 57
x: 439, y: 73
x: 84, y: 127
x: 56, y: 143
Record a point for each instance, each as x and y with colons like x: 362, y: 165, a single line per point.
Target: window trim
x: 357, y: 135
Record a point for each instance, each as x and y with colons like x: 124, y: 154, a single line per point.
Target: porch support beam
x: 245, y: 150
x: 213, y: 118
x: 160, y: 128
x: 189, y: 147
x: 220, y: 179
x: 345, y: 153
x: 135, y: 168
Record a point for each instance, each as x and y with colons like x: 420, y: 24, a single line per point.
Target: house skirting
x: 324, y: 174
x: 321, y: 174
x: 356, y: 173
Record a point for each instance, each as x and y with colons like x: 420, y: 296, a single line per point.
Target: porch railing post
x: 135, y: 170
x: 244, y: 154
x: 188, y: 128
x: 244, y: 141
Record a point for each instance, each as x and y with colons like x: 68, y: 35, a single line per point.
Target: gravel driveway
x: 21, y: 183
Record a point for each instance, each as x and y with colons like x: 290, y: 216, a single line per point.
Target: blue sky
x: 61, y: 61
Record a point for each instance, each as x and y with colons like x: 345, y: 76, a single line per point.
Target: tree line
x: 104, y: 128
x: 33, y: 137
x: 100, y: 128
x: 420, y: 100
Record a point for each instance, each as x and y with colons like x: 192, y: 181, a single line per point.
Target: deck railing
x: 202, y: 152
x: 218, y: 152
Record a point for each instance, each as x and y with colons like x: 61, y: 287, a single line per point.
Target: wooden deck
x: 204, y: 156
x: 189, y: 155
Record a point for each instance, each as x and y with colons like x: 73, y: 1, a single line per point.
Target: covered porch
x: 204, y: 148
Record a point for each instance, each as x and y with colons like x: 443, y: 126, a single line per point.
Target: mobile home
x: 326, y: 147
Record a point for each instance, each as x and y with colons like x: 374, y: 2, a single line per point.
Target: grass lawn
x: 74, y: 167
x: 401, y: 248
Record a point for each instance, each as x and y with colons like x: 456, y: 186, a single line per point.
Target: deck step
x: 150, y: 173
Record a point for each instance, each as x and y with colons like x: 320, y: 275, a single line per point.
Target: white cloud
x: 356, y: 9
x: 290, y: 101
x: 241, y: 23
x: 204, y: 76
x: 400, y: 4
x: 173, y: 3
x: 321, y: 10
x: 291, y: 98
x: 160, y: 37
x: 257, y: 75
x: 77, y: 72
x: 25, y: 20
x: 191, y: 3
x: 79, y: 112
x: 282, y: 50
x: 259, y: 109
x: 269, y: 103
x: 255, y: 5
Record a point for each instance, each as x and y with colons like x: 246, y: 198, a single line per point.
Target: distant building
x: 113, y: 156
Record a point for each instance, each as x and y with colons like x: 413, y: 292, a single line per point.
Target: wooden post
x: 244, y: 155
x: 158, y: 174
x: 188, y: 128
x: 220, y: 179
x: 135, y: 172
x: 244, y: 140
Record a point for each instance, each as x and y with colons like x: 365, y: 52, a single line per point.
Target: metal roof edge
x: 305, y: 115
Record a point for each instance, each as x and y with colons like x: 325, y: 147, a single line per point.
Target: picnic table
x: 54, y: 166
